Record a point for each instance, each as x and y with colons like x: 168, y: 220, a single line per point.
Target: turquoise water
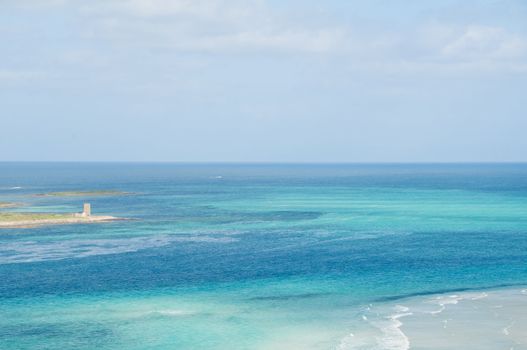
x: 227, y: 256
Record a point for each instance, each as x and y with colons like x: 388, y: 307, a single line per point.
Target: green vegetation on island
x: 10, y: 219
x: 13, y: 217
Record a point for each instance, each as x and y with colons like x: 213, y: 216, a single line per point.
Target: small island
x: 83, y: 193
x: 28, y: 220
x: 9, y: 205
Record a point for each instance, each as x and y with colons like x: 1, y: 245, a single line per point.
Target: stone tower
x: 86, y: 210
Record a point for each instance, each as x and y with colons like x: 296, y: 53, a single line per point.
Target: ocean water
x: 258, y: 256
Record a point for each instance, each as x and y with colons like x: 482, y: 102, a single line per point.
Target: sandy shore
x: 485, y: 320
x: 66, y: 219
x: 479, y: 320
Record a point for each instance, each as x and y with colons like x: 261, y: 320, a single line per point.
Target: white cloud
x: 483, y: 43
x: 207, y: 9
x: 164, y: 27
x: 251, y: 26
x: 209, y: 25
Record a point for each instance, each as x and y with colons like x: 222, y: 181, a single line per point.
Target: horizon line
x: 265, y: 162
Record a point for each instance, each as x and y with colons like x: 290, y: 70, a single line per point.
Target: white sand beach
x: 482, y: 320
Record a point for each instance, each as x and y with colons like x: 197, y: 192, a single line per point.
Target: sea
x: 267, y: 256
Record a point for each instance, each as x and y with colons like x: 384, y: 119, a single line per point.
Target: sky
x: 263, y: 80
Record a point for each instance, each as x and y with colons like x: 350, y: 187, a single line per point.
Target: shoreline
x: 483, y: 319
x: 31, y: 223
x: 462, y: 290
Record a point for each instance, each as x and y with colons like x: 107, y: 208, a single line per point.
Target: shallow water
x: 251, y: 256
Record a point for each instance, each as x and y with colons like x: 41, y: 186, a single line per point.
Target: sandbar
x: 29, y: 220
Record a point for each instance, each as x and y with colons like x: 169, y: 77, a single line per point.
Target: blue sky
x: 269, y: 81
